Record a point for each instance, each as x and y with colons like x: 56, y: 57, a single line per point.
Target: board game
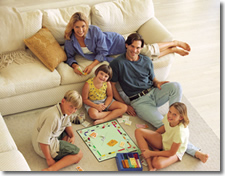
x: 107, y: 139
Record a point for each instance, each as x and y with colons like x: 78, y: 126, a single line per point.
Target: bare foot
x: 46, y: 169
x: 152, y: 169
x: 96, y: 122
x: 180, y: 51
x: 202, y: 156
x: 183, y: 45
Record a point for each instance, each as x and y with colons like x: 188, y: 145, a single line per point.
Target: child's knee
x: 124, y: 108
x: 138, y: 132
x: 93, y: 115
x: 79, y: 155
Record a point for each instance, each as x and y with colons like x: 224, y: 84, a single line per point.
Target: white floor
x: 198, y: 23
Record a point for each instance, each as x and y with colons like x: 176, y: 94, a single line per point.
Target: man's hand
x: 131, y: 111
x: 159, y: 83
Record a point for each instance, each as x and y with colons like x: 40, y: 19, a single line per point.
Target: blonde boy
x: 53, y: 137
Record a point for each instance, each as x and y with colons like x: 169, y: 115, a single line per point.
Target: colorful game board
x: 107, y: 139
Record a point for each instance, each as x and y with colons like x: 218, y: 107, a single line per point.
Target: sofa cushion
x: 46, y: 48
x: 29, y: 77
x: 32, y: 22
x: 11, y: 31
x: 67, y: 74
x: 57, y: 19
x: 122, y: 16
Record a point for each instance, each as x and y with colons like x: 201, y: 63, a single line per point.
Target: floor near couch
x: 20, y: 127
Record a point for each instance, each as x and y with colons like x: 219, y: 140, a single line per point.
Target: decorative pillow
x: 122, y: 16
x: 11, y: 31
x: 32, y: 22
x: 46, y: 48
x: 56, y: 20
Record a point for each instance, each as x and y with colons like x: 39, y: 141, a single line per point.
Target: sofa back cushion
x: 32, y: 21
x: 11, y: 31
x: 57, y: 19
x: 122, y: 16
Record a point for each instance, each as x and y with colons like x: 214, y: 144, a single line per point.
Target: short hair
x: 78, y: 16
x: 182, y: 109
x: 74, y: 97
x: 106, y: 69
x: 135, y: 37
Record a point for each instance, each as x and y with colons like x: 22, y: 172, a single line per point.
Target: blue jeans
x: 146, y: 106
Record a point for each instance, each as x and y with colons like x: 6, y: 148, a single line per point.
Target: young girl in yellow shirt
x: 98, y: 97
x: 168, y: 142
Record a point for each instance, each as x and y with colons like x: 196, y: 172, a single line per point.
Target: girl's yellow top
x: 94, y: 93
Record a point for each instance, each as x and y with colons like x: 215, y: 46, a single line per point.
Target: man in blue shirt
x: 135, y: 74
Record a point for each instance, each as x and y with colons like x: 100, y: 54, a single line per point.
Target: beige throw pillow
x: 46, y: 48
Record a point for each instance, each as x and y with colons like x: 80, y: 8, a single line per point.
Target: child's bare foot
x: 183, y: 45
x: 202, y: 156
x: 96, y: 122
x: 46, y: 169
x: 152, y: 169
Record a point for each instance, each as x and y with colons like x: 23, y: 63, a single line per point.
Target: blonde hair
x: 74, y: 97
x: 182, y: 109
x: 78, y: 16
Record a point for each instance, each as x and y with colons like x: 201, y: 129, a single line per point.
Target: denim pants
x: 146, y: 106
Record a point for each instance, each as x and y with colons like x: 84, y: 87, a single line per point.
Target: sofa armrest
x: 7, y: 143
x: 154, y: 32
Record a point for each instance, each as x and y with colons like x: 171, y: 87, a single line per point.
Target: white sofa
x: 26, y: 82
x: 11, y: 159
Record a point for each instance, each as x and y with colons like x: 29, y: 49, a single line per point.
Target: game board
x: 107, y: 139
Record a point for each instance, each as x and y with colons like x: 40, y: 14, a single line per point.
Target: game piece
x: 79, y: 168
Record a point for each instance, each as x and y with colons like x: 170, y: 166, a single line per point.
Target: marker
x: 119, y: 131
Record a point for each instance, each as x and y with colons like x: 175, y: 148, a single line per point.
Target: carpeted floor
x: 21, y: 125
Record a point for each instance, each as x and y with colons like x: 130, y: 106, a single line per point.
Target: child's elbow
x: 171, y: 153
